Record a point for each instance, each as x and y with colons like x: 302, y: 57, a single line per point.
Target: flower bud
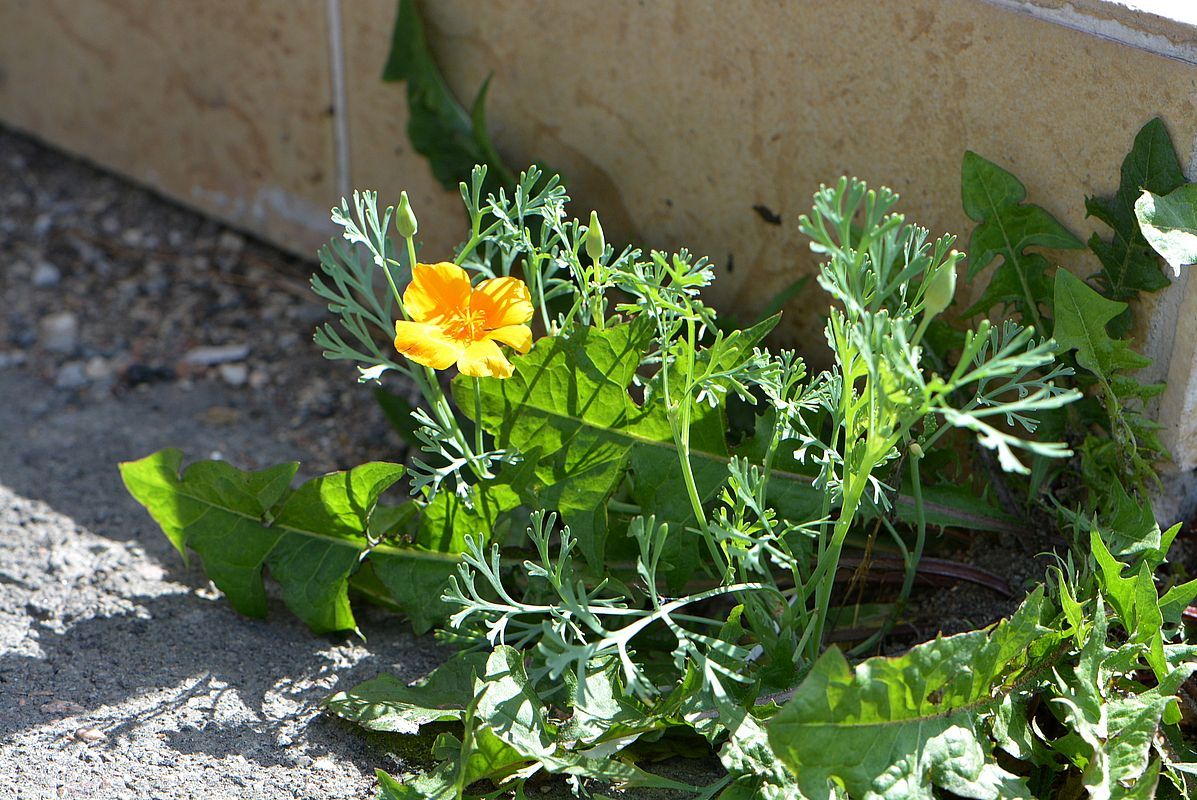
x: 594, y: 238
x: 916, y: 449
x: 405, y: 219
x: 942, y: 289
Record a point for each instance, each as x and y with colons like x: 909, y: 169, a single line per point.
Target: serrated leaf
x: 1169, y: 223
x: 1081, y: 318
x: 568, y: 410
x: 510, y: 709
x: 568, y: 404
x: 1113, y: 728
x: 916, y: 721
x: 440, y: 129
x: 1128, y: 264
x: 312, y: 539
x: 387, y: 704
x: 1006, y: 227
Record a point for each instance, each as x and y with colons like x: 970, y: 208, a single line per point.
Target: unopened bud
x: 941, y: 291
x: 594, y: 238
x: 916, y: 449
x: 405, y: 219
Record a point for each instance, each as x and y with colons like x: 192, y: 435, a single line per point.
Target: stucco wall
x: 673, y: 118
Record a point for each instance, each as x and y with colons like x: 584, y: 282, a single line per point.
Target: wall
x: 673, y: 118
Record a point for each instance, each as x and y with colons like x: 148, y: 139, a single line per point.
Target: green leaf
x: 1128, y: 266
x: 439, y: 128
x: 1128, y: 453
x: 449, y: 518
x: 387, y: 704
x: 748, y: 755
x: 399, y: 414
x: 312, y: 539
x: 1169, y: 224
x: 1115, y: 728
x: 1081, y: 318
x: 896, y: 727
x: 510, y: 709
x: 1006, y: 227
x: 568, y: 410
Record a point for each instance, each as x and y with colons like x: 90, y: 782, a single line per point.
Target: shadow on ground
x: 103, y: 627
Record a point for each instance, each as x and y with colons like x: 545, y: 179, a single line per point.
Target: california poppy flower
x: 454, y: 322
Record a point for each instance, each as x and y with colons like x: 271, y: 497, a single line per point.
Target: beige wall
x: 673, y: 118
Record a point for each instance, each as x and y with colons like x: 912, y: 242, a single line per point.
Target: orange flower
x: 453, y: 322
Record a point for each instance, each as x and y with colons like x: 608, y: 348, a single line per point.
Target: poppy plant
x: 453, y: 322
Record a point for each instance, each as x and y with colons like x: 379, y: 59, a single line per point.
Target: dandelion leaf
x: 1169, y: 223
x: 915, y: 722
x: 311, y: 539
x: 1006, y: 227
x: 1128, y: 265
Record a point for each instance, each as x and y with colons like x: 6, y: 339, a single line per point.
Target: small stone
x: 137, y: 374
x: 43, y: 224
x: 59, y: 332
x: 230, y: 241
x: 324, y: 765
x: 258, y: 379
x: 46, y: 275
x: 98, y: 369
x: 216, y: 354
x: 13, y: 358
x: 132, y: 237
x: 63, y: 707
x: 234, y: 374
x: 72, y: 375
x: 89, y: 734
x: 220, y: 415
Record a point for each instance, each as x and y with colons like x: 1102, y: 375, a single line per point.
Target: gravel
x: 123, y: 674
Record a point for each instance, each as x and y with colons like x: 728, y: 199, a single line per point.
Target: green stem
x: 478, y: 447
x: 829, y: 561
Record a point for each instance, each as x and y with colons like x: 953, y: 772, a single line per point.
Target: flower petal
x: 518, y: 336
x: 426, y: 344
x: 436, y: 291
x: 484, y: 359
x: 502, y: 301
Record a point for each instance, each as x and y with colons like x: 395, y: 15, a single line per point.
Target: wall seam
x: 1104, y: 28
x: 336, y: 62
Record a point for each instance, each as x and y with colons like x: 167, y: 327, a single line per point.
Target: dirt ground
x: 121, y: 673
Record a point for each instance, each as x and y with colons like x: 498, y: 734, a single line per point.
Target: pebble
x: 216, y: 354
x: 136, y: 374
x: 230, y: 241
x: 98, y: 369
x: 324, y: 764
x: 46, y: 275
x: 234, y: 374
x: 72, y: 375
x: 89, y: 734
x: 258, y: 379
x: 59, y: 332
x: 64, y: 707
x: 13, y: 358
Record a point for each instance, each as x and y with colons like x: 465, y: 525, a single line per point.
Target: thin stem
x: 830, y: 559
x: 478, y: 447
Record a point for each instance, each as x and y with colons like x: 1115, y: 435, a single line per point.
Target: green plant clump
x: 637, y: 535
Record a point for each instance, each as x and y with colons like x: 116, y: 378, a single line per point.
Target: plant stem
x: 829, y: 560
x: 478, y: 447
